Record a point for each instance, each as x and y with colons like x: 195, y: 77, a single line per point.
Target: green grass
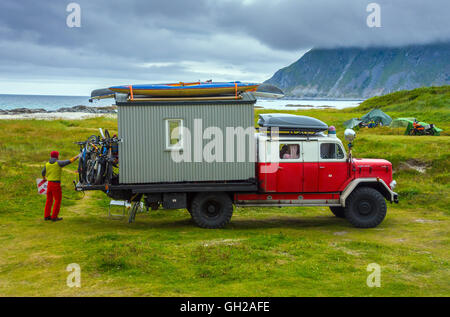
x: 263, y: 252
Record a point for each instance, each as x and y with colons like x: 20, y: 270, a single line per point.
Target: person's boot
x: 48, y: 218
x: 57, y: 219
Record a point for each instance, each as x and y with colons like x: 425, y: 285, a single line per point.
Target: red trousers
x: 53, y: 193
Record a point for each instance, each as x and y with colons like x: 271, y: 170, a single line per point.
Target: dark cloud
x: 189, y: 40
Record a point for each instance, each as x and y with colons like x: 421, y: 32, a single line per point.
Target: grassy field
x: 263, y: 252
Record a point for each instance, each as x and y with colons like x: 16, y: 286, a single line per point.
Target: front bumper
x: 396, y: 198
x: 394, y: 195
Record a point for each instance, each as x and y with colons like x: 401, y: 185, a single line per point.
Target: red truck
x: 299, y: 165
x: 315, y: 170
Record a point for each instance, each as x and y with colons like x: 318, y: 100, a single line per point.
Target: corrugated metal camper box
x: 143, y: 157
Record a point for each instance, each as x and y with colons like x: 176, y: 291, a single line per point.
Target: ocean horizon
x: 54, y: 102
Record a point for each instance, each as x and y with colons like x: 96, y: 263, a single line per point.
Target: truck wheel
x: 211, y: 211
x: 338, y: 211
x: 365, y: 208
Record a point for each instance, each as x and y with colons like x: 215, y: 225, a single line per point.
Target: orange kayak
x: 187, y: 89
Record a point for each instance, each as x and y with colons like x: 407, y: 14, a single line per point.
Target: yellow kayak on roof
x: 187, y: 89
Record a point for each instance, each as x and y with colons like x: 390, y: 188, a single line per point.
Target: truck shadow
x: 236, y: 224
x: 287, y: 222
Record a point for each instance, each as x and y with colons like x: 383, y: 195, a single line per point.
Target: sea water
x: 52, y: 103
x: 49, y: 103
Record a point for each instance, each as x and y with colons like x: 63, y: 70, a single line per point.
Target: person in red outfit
x: 52, y: 172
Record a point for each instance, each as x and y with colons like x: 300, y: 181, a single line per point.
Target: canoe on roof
x: 187, y: 89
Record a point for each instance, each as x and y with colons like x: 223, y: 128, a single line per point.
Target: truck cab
x: 312, y: 164
x: 302, y: 166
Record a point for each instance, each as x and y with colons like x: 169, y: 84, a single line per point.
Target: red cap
x: 54, y: 154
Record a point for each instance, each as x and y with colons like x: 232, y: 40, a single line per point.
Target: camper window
x: 289, y: 151
x: 174, y: 134
x: 331, y: 151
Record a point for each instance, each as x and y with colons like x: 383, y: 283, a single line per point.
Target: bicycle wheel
x: 99, y: 174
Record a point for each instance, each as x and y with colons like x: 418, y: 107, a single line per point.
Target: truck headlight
x: 393, y: 184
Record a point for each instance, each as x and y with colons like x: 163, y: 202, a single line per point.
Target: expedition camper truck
x: 166, y: 159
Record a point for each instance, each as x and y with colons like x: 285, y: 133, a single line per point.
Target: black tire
x: 81, y: 171
x: 90, y: 172
x: 211, y: 211
x: 99, y: 174
x: 365, y: 208
x: 338, y: 211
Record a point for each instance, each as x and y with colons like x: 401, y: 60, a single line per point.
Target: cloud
x: 291, y: 25
x: 159, y: 41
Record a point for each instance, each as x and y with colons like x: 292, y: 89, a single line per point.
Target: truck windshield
x: 331, y: 151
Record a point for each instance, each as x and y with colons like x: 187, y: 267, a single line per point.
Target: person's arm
x: 43, y: 173
x: 67, y: 162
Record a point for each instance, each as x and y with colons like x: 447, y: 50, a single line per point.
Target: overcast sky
x: 123, y: 42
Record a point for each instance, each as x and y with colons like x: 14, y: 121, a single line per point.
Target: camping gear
x: 289, y: 122
x: 372, y: 119
x: 377, y: 116
x: 352, y: 123
x: 98, y: 157
x: 408, y: 123
x: 186, y: 89
x: 423, y: 129
x: 263, y: 91
x: 102, y: 94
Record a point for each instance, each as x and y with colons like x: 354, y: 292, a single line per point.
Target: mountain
x: 364, y: 73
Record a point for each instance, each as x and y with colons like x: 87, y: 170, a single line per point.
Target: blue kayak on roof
x: 187, y: 89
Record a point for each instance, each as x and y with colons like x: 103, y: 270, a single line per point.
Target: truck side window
x: 331, y: 151
x: 174, y: 136
x: 289, y: 151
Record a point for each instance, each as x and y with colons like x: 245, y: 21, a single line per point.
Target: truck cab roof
x: 320, y: 136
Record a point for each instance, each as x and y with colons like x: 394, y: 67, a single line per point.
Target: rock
x: 21, y: 111
x: 413, y: 164
x: 79, y: 108
x: 86, y: 109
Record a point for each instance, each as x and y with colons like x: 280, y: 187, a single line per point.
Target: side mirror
x: 349, y: 135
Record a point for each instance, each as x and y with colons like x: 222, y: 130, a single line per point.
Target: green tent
x: 401, y: 122
x: 350, y: 124
x: 408, y: 123
x: 377, y: 116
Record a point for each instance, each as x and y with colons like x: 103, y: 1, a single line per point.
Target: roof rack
x: 146, y: 98
x: 289, y: 133
x: 125, y: 100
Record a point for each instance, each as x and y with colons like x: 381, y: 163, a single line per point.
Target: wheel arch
x: 375, y: 183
